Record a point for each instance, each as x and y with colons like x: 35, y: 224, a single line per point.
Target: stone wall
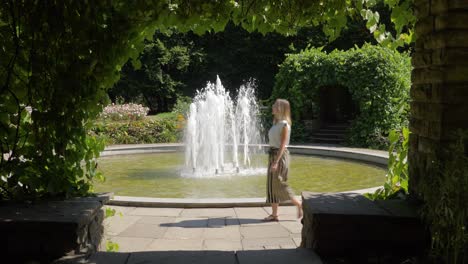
x: 439, y: 89
x: 47, y: 230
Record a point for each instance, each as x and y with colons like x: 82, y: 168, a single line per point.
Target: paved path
x: 214, y: 235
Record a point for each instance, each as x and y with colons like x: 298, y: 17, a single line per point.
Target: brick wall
x: 439, y: 89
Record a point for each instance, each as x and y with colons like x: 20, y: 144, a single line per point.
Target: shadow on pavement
x: 217, y: 222
x: 272, y: 256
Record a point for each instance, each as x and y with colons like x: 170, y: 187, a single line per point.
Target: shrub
x: 397, y: 178
x: 124, y: 112
x: 182, y: 105
x: 147, y: 130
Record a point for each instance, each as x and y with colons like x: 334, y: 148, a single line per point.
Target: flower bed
x: 124, y: 112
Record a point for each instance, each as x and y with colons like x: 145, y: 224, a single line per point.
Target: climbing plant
x: 58, y: 58
x: 445, y: 198
x: 396, y: 179
x: 377, y: 78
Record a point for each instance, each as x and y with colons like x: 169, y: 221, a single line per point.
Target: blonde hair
x: 284, y: 111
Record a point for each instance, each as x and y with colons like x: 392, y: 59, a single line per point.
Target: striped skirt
x: 278, y: 189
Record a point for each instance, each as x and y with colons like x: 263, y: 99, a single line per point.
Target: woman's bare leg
x: 298, y: 204
x: 274, y: 209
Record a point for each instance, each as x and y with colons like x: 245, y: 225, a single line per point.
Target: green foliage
x: 148, y: 130
x: 402, y: 18
x: 60, y: 57
x: 234, y: 54
x: 299, y: 133
x: 109, y: 212
x: 445, y: 197
x: 377, y: 78
x: 111, y: 246
x: 182, y: 105
x: 157, y: 81
x: 237, y: 56
x: 396, y: 180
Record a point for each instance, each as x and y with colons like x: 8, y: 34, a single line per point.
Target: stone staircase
x: 333, y: 133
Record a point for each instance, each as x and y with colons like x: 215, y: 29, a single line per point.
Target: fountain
x: 221, y: 137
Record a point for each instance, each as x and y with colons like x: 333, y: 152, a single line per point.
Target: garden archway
x: 336, y: 105
x: 59, y: 57
x: 376, y: 79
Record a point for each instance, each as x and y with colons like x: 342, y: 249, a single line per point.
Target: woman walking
x: 278, y: 189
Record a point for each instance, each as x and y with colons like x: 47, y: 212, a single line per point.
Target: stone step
x: 336, y: 126
x: 262, y: 256
x: 351, y: 226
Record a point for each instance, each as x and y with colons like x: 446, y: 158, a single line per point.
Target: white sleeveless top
x: 274, y: 134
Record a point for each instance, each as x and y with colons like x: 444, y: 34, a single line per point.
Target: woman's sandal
x: 271, y: 218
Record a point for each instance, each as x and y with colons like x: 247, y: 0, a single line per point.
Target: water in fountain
x: 222, y: 137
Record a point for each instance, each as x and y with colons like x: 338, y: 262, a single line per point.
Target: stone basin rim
x: 374, y: 157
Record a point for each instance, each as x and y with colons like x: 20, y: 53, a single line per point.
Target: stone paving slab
x: 217, y: 222
x: 266, y: 231
x: 263, y: 243
x: 155, y: 220
x: 97, y: 258
x: 296, y: 256
x: 148, y: 211
x: 224, y: 235
x: 131, y: 244
x: 189, y: 222
x: 116, y: 224
x: 192, y: 257
x: 228, y: 233
x: 144, y: 230
x: 208, y: 212
x: 232, y: 221
x: 269, y: 256
x: 121, y: 209
x: 184, y: 233
x: 250, y: 212
x: 157, y: 235
x: 294, y: 227
x: 254, y: 222
x: 283, y: 210
x: 297, y: 241
x: 222, y: 244
x: 175, y: 244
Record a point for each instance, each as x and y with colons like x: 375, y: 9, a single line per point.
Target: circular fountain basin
x: 155, y: 171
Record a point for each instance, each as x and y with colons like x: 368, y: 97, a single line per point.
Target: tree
x: 162, y: 66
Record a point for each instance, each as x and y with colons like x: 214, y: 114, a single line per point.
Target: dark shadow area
x: 216, y: 222
x: 42, y: 231
x: 349, y: 228
x: 336, y: 105
x: 280, y: 256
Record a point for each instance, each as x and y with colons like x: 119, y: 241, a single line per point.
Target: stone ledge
x: 203, y: 202
x: 366, y: 155
x: 47, y: 230
x: 350, y: 225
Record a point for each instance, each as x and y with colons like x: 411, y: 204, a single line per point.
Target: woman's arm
x: 284, y: 136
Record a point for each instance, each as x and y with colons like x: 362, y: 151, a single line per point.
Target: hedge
x: 148, y: 130
x: 377, y: 78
